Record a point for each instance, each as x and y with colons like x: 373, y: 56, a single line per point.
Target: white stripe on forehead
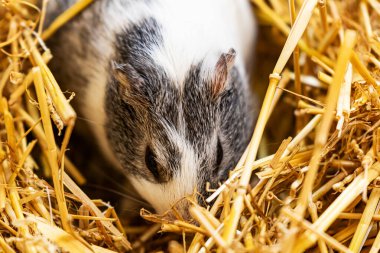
x: 192, y: 34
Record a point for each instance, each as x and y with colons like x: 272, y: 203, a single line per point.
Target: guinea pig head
x: 171, y: 139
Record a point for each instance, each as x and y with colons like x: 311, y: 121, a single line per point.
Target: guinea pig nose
x: 181, y: 211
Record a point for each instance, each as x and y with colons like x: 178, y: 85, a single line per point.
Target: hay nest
x: 319, y: 191
x: 37, y: 217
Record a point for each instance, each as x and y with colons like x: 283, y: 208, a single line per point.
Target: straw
x: 309, y: 192
x: 65, y: 17
x: 322, y: 132
x: 32, y: 105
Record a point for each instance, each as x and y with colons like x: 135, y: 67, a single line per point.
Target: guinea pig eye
x: 151, y: 163
x: 219, y: 153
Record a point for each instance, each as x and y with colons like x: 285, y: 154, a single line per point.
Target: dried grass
x: 37, y: 217
x: 310, y: 195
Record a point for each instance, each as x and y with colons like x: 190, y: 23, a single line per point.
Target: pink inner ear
x: 222, y: 68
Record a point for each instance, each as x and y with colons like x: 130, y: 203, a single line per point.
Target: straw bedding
x: 318, y: 192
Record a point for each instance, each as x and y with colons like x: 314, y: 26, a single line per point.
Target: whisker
x: 121, y: 194
x: 135, y: 211
x: 89, y: 121
x: 121, y: 187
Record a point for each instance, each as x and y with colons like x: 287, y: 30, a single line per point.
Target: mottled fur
x: 161, y: 87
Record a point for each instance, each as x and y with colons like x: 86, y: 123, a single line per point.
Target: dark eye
x: 150, y: 161
x: 219, y: 153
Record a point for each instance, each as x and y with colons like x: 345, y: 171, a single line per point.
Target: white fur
x: 197, y: 29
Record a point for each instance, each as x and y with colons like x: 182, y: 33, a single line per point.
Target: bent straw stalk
x: 327, y: 118
x: 51, y: 148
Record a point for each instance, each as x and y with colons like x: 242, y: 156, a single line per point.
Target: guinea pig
x: 167, y: 84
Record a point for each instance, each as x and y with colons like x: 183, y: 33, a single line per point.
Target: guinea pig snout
x: 180, y: 211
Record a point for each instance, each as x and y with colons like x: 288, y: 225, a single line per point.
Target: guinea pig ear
x: 131, y: 84
x: 223, y: 66
x: 127, y: 76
